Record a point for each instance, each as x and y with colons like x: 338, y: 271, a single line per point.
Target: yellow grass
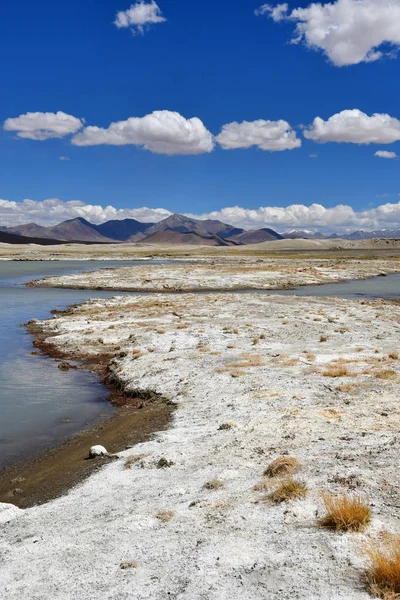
x: 385, y: 374
x: 283, y: 465
x: 383, y: 573
x: 340, y: 369
x: 290, y: 489
x: 345, y: 512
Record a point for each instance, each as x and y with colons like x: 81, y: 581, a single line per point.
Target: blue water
x: 41, y: 405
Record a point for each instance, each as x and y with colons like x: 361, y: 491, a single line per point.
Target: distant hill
x: 77, y: 230
x: 124, y: 230
x: 182, y: 224
x: 256, y: 236
x: 12, y: 238
x: 191, y: 238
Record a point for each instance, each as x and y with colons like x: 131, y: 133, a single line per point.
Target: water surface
x: 40, y: 404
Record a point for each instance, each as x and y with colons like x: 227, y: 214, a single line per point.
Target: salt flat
x: 250, y: 376
x: 225, y: 273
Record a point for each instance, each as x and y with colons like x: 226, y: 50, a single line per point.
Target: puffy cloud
x: 385, y: 154
x: 139, y: 15
x: 52, y: 211
x: 43, y: 126
x: 355, y: 127
x: 340, y: 218
x: 65, y: 158
x: 347, y: 31
x: 266, y: 135
x: 162, y: 132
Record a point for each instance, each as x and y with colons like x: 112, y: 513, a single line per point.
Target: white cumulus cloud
x: 43, y: 126
x: 266, y: 135
x: 139, y: 16
x: 385, y: 154
x: 316, y: 217
x: 347, y: 31
x: 52, y: 211
x: 162, y: 132
x: 355, y: 127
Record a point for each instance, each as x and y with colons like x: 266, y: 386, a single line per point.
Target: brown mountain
x: 77, y: 230
x: 256, y: 236
x: 182, y: 224
x: 124, y: 230
x: 191, y: 238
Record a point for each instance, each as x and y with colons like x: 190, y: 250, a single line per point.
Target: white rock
x: 97, y: 451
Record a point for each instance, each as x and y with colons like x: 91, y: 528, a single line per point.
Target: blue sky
x: 214, y: 60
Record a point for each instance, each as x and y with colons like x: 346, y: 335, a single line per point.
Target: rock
x: 97, y: 451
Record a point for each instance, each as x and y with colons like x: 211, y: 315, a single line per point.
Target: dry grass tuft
x: 290, y: 489
x: 385, y: 374
x: 165, y: 515
x: 132, y: 564
x: 345, y: 512
x: 340, y: 369
x: 346, y: 387
x: 283, y: 465
x: 394, y: 355
x: 163, y: 463
x: 383, y: 573
x: 213, y: 484
x: 323, y: 338
x: 132, y: 460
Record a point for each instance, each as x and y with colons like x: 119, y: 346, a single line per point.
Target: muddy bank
x: 53, y: 472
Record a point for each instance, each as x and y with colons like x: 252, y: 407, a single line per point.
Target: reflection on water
x: 39, y: 403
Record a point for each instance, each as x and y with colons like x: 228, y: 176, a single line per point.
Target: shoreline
x: 41, y: 283
x: 54, y: 471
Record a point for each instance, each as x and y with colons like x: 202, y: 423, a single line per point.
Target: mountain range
x: 175, y: 229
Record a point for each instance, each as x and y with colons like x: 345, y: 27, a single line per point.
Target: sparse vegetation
x: 339, y: 369
x: 283, y: 465
x: 323, y: 338
x: 165, y: 515
x: 132, y: 564
x: 385, y: 374
x: 394, y: 355
x: 163, y: 463
x: 289, y: 489
x: 213, y: 484
x: 132, y: 460
x: 383, y: 573
x: 345, y: 512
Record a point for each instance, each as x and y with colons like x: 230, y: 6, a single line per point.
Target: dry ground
x: 253, y: 381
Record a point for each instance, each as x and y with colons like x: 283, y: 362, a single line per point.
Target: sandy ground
x: 229, y: 273
x: 249, y: 374
x: 138, y: 250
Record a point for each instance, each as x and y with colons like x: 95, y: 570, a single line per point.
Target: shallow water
x: 369, y: 289
x: 41, y: 405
